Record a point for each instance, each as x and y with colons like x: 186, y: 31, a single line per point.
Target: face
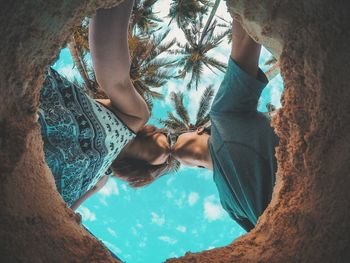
x: 189, y: 147
x: 157, y: 147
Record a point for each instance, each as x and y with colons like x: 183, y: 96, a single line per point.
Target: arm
x: 89, y: 193
x: 108, y: 40
x: 243, y: 82
x: 245, y: 51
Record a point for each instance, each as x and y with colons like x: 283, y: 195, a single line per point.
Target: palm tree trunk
x: 273, y: 71
x: 211, y: 16
x: 77, y: 61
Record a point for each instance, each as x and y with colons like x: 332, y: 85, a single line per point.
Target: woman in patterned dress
x: 83, y: 137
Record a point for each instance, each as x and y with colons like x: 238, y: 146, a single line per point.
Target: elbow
x: 144, y: 117
x: 140, y: 118
x: 147, y: 114
x: 144, y: 112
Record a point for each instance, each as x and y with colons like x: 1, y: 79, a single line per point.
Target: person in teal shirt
x: 240, y: 145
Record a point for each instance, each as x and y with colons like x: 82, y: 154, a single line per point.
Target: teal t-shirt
x: 242, y: 146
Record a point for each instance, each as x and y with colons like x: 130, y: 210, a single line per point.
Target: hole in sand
x: 181, y: 211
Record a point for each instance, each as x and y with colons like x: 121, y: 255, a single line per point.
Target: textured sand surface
x: 35, y: 224
x: 308, y: 218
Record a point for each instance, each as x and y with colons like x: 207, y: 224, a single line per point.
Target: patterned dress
x: 81, y: 137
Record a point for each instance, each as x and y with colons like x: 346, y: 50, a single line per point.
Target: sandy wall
x: 308, y: 219
x: 35, y: 224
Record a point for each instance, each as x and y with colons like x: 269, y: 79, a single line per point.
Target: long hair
x: 139, y: 173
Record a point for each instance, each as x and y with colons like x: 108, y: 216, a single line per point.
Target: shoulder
x: 133, y: 123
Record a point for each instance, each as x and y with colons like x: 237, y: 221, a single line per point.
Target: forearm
x: 90, y: 192
x: 245, y: 51
x: 108, y: 40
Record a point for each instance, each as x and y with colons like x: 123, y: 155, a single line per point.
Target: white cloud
x: 112, y: 247
x: 276, y: 90
x: 86, y: 214
x: 169, y: 194
x: 134, y: 231
x: 195, y: 232
x: 205, y: 174
x: 142, y: 244
x: 111, y: 188
x: 124, y: 187
x: 156, y: 219
x: 181, y: 229
x: 173, y: 86
x: 193, y: 198
x: 127, y: 197
x: 265, y: 55
x: 168, y: 240
x: 69, y: 72
x: 162, y: 7
x: 173, y: 255
x: 180, y: 201
x: 212, y: 210
x: 112, y: 232
x: 170, y: 180
x: 103, y: 201
x: 194, y: 97
x: 222, y: 11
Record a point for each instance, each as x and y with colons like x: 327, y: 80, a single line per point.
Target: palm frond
x: 204, y: 121
x: 212, y: 62
x: 177, y: 100
x: 174, y: 165
x: 270, y: 61
x: 209, y: 21
x: 185, y: 12
x: 204, y: 104
x: 272, y: 71
x: 143, y: 18
x: 173, y: 124
x: 270, y: 107
x: 197, y: 70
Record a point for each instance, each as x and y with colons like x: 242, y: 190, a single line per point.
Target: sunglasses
x: 172, y: 136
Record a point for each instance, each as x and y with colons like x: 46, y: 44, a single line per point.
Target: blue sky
x: 179, y: 212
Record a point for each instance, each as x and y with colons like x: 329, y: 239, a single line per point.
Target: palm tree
x: 195, y: 57
x: 182, y: 123
x: 274, y: 69
x: 149, y: 70
x: 199, y: 43
x: 143, y: 18
x: 228, y: 28
x: 208, y: 25
x: 185, y: 12
x: 79, y: 47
